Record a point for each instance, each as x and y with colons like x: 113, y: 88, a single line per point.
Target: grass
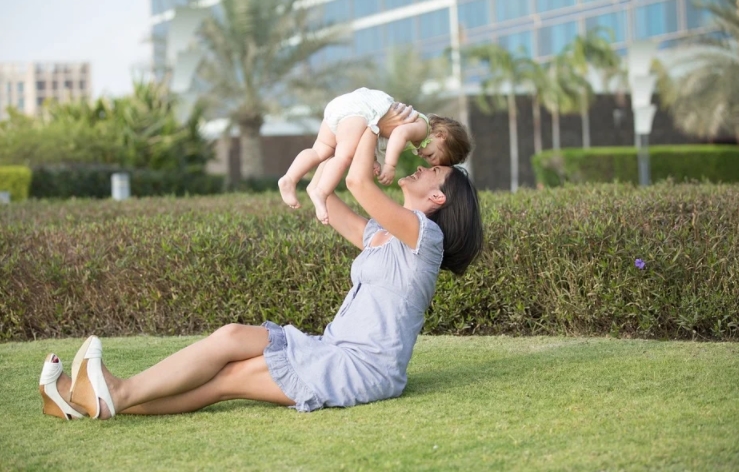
x: 479, y: 403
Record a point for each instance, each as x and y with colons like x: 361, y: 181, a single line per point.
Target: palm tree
x: 408, y: 78
x: 538, y: 83
x: 594, y: 49
x: 564, y: 93
x: 705, y: 100
x: 506, y: 71
x: 252, y: 65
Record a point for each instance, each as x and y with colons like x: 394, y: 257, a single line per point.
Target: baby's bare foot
x: 287, y: 190
x: 319, y: 201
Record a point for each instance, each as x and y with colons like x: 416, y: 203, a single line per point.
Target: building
x: 26, y: 86
x: 539, y: 29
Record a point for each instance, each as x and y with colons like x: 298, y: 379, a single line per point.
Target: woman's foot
x: 90, y: 381
x: 287, y: 190
x: 319, y: 201
x: 54, y: 387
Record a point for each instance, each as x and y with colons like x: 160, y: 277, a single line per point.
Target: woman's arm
x: 399, y: 221
x: 342, y: 218
x: 345, y: 221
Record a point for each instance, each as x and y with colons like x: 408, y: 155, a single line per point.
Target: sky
x: 112, y: 35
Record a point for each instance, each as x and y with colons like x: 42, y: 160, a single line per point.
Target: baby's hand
x: 376, y: 169
x: 388, y: 175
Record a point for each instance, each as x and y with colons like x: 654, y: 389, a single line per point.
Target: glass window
x: 553, y: 39
x: 434, y: 51
x: 697, y: 17
x: 19, y: 87
x: 54, y: 85
x: 21, y: 104
x: 68, y: 84
x: 218, y: 12
x: 41, y: 85
x: 160, y: 6
x: 337, y: 11
x: 546, y: 5
x: 518, y: 43
x: 82, y: 85
x: 474, y: 14
x: 656, y: 19
x: 390, y: 4
x: 367, y: 41
x: 8, y: 88
x: 433, y: 24
x: 159, y: 40
x: 40, y: 101
x: 613, y: 22
x: 399, y: 32
x: 336, y: 52
x: 510, y: 9
x: 366, y: 7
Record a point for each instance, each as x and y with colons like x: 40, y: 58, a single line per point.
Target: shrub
x: 16, y: 180
x: 94, y: 182
x: 611, y: 164
x: 556, y: 262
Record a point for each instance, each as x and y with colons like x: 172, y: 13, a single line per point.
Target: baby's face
x: 433, y: 153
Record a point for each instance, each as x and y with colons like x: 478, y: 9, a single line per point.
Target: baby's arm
x: 400, y: 136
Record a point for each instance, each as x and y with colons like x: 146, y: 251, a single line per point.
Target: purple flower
x: 639, y: 264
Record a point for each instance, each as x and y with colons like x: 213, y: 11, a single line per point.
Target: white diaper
x: 369, y: 104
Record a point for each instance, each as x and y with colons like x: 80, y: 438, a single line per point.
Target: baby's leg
x: 348, y: 134
x: 307, y: 159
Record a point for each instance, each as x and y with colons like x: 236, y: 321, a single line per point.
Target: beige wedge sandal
x: 54, y: 404
x: 88, y: 382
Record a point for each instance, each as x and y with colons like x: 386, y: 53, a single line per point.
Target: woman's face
x: 424, y: 181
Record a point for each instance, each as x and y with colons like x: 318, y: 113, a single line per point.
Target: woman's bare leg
x: 306, y: 160
x: 189, y: 368
x: 249, y: 380
x: 348, y: 134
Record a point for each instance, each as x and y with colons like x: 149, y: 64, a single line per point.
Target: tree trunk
x: 251, y: 150
x: 585, y: 125
x: 513, y: 136
x: 555, y: 129
x: 537, y: 124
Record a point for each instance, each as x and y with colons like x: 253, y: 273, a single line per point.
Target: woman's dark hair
x: 460, y: 220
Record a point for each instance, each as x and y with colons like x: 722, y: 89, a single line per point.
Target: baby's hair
x: 457, y: 143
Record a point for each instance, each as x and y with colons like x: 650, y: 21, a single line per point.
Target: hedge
x: 610, y: 164
x: 16, y: 180
x: 556, y: 262
x: 94, y: 182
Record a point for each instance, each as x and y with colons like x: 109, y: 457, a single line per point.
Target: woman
x: 363, y: 353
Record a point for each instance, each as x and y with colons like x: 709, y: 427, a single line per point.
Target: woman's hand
x: 398, y: 114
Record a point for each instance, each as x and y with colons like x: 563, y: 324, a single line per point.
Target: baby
x: 438, y: 140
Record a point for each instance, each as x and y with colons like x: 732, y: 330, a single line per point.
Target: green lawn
x: 480, y: 403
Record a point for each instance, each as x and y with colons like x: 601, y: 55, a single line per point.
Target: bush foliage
x: 94, y: 182
x: 16, y: 180
x: 556, y: 261
x: 612, y: 164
